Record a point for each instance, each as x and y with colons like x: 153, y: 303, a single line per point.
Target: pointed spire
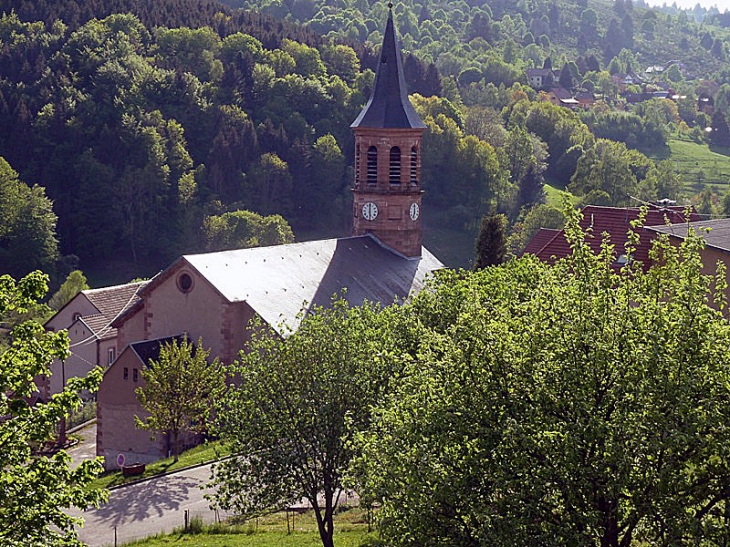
x: 389, y: 106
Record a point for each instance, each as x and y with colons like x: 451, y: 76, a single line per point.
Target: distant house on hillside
x: 562, y: 97
x: 88, y: 318
x: 551, y: 245
x: 622, y: 81
x: 585, y: 99
x: 540, y: 78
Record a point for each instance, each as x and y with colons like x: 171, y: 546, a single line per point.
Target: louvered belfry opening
x: 394, y: 172
x: 414, y: 166
x: 372, y: 165
x: 357, y: 165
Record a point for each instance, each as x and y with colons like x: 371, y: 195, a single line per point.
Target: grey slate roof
x: 539, y: 72
x: 389, y: 106
x: 150, y: 349
x: 716, y: 233
x: 279, y: 282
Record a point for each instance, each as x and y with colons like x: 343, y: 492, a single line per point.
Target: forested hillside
x: 158, y: 128
x: 151, y: 140
x: 503, y: 36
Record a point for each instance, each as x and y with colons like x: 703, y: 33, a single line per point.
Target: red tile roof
x: 539, y: 240
x: 614, y: 221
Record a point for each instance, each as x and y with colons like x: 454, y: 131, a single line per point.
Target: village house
x: 716, y: 234
x: 87, y: 318
x: 551, y: 245
x: 562, y: 97
x: 540, y: 78
x: 214, y: 296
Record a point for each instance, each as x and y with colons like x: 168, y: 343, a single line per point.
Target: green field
x: 351, y: 530
x: 697, y: 164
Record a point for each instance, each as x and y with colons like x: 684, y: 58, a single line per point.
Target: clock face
x: 415, y: 211
x: 370, y: 211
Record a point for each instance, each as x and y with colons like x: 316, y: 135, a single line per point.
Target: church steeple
x: 389, y: 106
x: 387, y: 190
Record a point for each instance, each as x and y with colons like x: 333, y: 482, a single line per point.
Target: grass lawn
x: 200, y: 454
x: 697, y: 164
x: 271, y: 531
x: 554, y: 195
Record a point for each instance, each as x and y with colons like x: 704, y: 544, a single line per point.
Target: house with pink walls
x: 88, y: 318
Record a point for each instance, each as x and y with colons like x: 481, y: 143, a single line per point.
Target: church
x: 213, y: 296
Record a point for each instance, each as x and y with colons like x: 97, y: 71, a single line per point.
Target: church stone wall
x: 199, y: 312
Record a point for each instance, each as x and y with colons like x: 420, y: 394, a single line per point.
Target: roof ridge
x: 113, y: 287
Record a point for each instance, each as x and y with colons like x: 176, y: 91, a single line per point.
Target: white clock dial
x: 415, y: 211
x: 370, y: 211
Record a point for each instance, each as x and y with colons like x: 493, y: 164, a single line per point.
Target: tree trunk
x: 174, y: 446
x: 609, y: 508
x: 325, y: 523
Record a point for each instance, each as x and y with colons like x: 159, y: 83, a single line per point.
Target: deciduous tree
x: 298, y: 404
x: 571, y: 404
x: 37, y: 490
x: 180, y: 389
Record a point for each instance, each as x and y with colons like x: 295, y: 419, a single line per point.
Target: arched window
x: 372, y: 165
x: 357, y: 165
x: 414, y: 166
x: 394, y: 173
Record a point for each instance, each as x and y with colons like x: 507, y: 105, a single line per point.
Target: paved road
x: 86, y: 448
x: 148, y: 508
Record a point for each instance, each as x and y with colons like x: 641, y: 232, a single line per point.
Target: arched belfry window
x: 414, y: 166
x: 357, y: 165
x: 394, y: 173
x: 372, y: 165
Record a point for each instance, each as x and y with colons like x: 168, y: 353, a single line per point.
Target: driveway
x: 85, y: 449
x: 149, y: 507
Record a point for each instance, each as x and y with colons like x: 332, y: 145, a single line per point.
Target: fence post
x: 186, y: 520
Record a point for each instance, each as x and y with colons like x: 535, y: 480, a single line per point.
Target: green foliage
x: 559, y: 405
x: 491, y: 246
x: 299, y: 401
x: 607, y: 168
x: 27, y: 226
x: 37, y: 490
x: 244, y: 229
x: 180, y: 389
x: 74, y: 284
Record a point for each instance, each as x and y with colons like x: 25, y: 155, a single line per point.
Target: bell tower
x: 387, y: 190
